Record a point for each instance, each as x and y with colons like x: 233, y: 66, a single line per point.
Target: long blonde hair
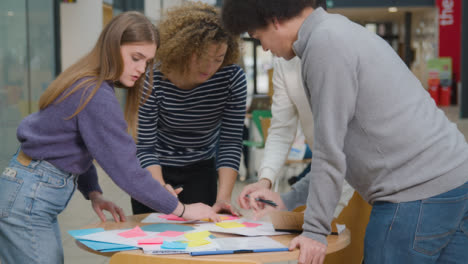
x: 105, y: 63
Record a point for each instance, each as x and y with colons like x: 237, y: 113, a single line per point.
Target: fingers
x: 294, y: 243
x: 99, y: 212
x: 115, y: 214
x: 178, y: 190
x: 242, y: 200
x: 170, y: 189
x: 122, y: 216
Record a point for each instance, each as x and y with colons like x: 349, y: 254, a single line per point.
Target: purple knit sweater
x: 98, y: 132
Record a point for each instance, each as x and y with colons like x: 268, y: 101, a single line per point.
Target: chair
x: 355, y: 216
x: 126, y: 258
x: 257, y: 117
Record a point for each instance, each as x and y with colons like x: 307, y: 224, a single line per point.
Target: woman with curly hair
x: 190, y: 128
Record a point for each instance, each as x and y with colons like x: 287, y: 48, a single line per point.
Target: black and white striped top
x: 179, y: 127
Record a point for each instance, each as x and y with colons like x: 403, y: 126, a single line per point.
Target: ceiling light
x: 11, y: 13
x: 393, y: 9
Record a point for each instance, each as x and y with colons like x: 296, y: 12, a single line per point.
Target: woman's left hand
x: 224, y: 206
x: 99, y: 204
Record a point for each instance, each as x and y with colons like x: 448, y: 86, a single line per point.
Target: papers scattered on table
x: 167, y: 238
x: 98, y: 245
x: 231, y: 245
x: 235, y: 227
x: 152, y: 242
x: 163, y: 218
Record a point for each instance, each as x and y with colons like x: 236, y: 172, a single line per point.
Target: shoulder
x: 104, y: 98
x: 230, y: 70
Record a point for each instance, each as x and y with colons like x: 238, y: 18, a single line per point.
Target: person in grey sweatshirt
x: 80, y: 120
x: 376, y: 127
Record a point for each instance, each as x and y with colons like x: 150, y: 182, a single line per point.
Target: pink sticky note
x: 151, y: 241
x: 135, y: 232
x: 248, y: 224
x: 171, y: 233
x: 172, y: 217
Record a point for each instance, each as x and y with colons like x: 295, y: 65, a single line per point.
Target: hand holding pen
x: 264, y: 201
x: 267, y: 202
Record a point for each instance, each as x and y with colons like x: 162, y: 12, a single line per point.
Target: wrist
x: 94, y: 195
x: 183, y: 211
x: 180, y: 210
x: 223, y: 199
x: 264, y: 182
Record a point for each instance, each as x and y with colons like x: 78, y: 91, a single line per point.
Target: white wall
x: 153, y: 8
x: 80, y: 26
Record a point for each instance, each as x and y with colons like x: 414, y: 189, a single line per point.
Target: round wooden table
x: 335, y: 243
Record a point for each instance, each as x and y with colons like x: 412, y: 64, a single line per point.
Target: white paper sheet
x: 266, y: 229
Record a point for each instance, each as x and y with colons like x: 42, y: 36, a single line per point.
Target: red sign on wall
x: 450, y: 32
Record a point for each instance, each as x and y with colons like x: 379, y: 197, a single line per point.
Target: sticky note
x: 171, y: 233
x: 173, y: 245
x: 248, y: 224
x: 135, y: 232
x: 229, y: 217
x: 172, y: 217
x: 230, y: 224
x: 151, y: 241
x: 197, y: 243
x: 197, y: 235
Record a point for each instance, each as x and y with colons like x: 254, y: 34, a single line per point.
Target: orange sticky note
x: 135, y: 232
x: 151, y: 241
x: 229, y: 217
x: 171, y: 233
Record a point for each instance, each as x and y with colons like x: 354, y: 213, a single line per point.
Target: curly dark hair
x: 188, y: 29
x: 247, y: 15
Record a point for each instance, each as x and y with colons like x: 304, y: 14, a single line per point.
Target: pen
x: 268, y: 202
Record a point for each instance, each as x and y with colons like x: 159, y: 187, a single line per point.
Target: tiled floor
x: 79, y: 212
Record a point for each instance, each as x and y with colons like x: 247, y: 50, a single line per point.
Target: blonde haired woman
x: 190, y: 128
x: 80, y: 120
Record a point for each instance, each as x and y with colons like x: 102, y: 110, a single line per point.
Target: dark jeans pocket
x: 9, y: 189
x: 440, y: 217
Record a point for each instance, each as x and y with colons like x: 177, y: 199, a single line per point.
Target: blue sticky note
x: 166, y: 227
x: 84, y: 232
x: 173, y: 245
x: 96, y: 245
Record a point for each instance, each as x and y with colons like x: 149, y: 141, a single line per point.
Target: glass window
x: 27, y: 64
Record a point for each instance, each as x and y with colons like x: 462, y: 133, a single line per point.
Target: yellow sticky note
x: 197, y: 235
x: 197, y: 243
x: 230, y: 224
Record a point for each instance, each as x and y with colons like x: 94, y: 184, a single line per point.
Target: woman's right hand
x: 197, y: 211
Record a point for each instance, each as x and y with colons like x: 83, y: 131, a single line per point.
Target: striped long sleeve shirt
x: 179, y: 127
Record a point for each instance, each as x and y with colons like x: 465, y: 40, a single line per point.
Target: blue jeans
x: 433, y: 230
x: 31, y: 197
